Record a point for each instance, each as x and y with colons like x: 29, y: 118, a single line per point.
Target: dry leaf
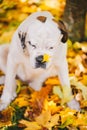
x: 57, y: 90
x: 22, y: 101
x: 30, y: 125
x: 80, y: 86
x: 47, y: 120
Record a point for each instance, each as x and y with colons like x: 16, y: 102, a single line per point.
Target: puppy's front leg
x: 10, y: 84
x: 36, y: 84
x: 64, y: 79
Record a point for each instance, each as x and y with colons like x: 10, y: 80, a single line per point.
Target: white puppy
x: 37, y: 51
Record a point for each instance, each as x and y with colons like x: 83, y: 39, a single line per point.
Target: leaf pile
x: 47, y: 109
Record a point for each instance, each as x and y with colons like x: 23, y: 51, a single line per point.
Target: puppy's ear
x: 22, y: 37
x: 64, y: 32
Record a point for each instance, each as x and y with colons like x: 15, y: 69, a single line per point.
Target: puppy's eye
x: 32, y: 45
x: 50, y: 48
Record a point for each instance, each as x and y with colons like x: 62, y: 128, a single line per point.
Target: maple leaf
x: 52, y: 106
x: 47, y: 120
x: 21, y: 101
x: 30, y: 125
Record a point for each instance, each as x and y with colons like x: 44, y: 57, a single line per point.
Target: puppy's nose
x: 39, y: 58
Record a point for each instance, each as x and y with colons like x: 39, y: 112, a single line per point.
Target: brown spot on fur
x: 42, y: 19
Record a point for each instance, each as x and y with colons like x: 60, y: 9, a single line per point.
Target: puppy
x: 37, y: 51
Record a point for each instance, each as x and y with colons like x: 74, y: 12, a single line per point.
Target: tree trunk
x: 74, y: 18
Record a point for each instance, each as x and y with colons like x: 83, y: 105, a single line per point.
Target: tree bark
x: 74, y: 18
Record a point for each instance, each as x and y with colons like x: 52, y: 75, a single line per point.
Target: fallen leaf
x: 30, y: 125
x: 47, y: 120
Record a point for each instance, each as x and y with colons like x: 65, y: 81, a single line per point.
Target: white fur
x: 22, y: 64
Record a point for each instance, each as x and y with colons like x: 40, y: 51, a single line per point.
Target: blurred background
x: 72, y: 12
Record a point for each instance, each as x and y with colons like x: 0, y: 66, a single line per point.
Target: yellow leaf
x: 30, y: 125
x: 54, y: 119
x: 67, y: 96
x: 46, y: 58
x: 57, y: 90
x: 52, y: 107
x: 69, y: 42
x: 52, y: 81
x: 27, y: 9
x: 44, y: 118
x: 47, y: 120
x: 21, y: 101
x: 18, y: 86
x: 77, y: 45
x: 83, y: 127
x: 81, y: 120
x: 83, y: 103
x: 67, y: 113
x: 84, y: 80
x: 80, y: 86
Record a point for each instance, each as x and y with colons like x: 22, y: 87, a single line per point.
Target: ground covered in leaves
x: 47, y: 109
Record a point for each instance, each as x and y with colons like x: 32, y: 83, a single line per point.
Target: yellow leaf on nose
x: 46, y: 58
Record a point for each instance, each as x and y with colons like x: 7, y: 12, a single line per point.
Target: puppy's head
x: 42, y: 39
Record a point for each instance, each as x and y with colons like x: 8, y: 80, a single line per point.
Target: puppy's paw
x: 14, y: 96
x: 73, y: 104
x: 3, y: 105
x: 6, y: 100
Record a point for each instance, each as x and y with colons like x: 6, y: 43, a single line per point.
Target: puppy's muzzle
x: 39, y: 62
